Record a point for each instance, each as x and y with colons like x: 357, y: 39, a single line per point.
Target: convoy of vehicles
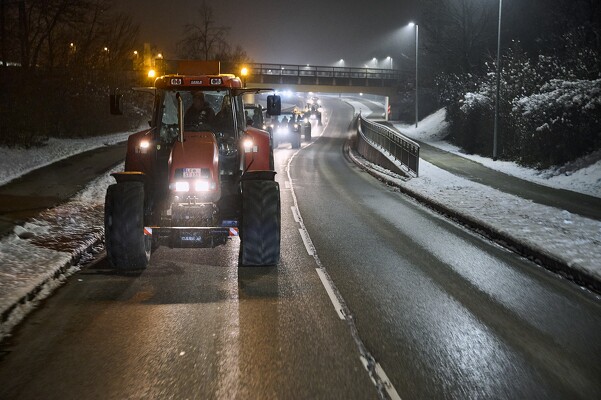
x: 198, y: 176
x: 313, y: 109
x: 290, y: 127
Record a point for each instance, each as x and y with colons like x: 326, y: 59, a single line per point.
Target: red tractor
x: 198, y: 176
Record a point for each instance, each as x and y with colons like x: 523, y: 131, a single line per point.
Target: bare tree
x: 54, y: 33
x: 205, y: 39
x: 457, y: 32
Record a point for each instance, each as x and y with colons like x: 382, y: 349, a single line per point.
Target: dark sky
x: 303, y: 32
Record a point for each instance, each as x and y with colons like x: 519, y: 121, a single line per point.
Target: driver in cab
x: 200, y: 112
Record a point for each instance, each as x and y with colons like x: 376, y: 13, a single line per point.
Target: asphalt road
x: 446, y: 313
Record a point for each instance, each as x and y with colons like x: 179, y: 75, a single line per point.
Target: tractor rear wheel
x: 127, y: 247
x: 308, y: 134
x: 260, y: 223
x: 296, y: 141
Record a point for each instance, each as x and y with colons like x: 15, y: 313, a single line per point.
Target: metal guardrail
x: 390, y: 143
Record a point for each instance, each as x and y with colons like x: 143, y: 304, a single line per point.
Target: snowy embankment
x: 582, y: 175
x: 16, y: 162
x: 39, y: 255
x: 572, y: 240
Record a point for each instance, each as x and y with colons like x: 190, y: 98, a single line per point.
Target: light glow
x: 248, y: 145
x: 201, y: 186
x: 182, y: 186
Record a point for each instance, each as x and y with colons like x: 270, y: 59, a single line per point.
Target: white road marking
x: 382, y: 377
x: 326, y: 283
x: 307, y: 241
x: 295, y: 214
x: 377, y: 374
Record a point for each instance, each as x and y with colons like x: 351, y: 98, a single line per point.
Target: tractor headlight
x: 248, y: 145
x: 306, y: 120
x: 201, y: 186
x: 181, y: 186
x: 143, y: 146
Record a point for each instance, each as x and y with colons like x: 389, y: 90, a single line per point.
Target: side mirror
x: 116, y: 105
x: 274, y: 105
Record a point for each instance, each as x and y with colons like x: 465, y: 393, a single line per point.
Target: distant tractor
x: 197, y: 177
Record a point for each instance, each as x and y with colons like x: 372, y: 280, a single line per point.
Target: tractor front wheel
x: 127, y: 247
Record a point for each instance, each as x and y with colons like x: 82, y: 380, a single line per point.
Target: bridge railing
x: 383, y: 143
x: 324, y: 75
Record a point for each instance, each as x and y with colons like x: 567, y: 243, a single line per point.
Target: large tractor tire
x: 260, y: 223
x: 296, y: 141
x: 308, y: 134
x: 127, y: 247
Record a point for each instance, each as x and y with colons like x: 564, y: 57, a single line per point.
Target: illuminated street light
x: 244, y: 73
x: 152, y: 73
x: 411, y: 25
x: 390, y: 58
x: 495, y: 132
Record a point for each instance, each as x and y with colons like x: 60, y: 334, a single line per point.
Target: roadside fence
x: 387, y: 148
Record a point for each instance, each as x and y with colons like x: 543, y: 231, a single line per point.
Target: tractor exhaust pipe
x: 180, y: 116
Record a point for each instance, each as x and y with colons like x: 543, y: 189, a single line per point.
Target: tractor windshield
x: 204, y: 110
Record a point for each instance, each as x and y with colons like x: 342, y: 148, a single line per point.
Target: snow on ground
x: 571, y: 238
x: 583, y: 175
x: 38, y: 255
x: 15, y: 162
x: 41, y: 251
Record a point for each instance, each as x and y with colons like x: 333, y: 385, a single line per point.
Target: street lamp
x: 244, y: 73
x: 411, y: 25
x: 390, y: 58
x: 495, y: 134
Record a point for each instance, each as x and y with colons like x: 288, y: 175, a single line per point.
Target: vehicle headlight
x: 248, y: 145
x: 143, y: 146
x: 306, y: 119
x: 180, y: 186
x: 201, y: 186
x: 295, y: 126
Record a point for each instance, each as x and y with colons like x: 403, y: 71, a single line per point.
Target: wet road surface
x: 445, y: 313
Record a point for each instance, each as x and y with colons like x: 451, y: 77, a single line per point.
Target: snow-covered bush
x: 548, y: 110
x: 559, y: 123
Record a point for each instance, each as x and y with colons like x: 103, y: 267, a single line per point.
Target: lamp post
x: 390, y: 58
x: 411, y: 24
x: 496, y: 128
x: 244, y: 73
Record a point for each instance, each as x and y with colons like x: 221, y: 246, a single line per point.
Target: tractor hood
x: 194, y: 167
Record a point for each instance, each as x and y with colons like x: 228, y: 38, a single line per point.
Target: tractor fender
x: 140, y: 149
x: 258, y: 156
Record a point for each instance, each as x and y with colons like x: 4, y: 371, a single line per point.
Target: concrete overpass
x: 309, y: 78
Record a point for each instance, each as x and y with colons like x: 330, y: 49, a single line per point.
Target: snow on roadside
x: 41, y: 251
x: 582, y: 176
x: 15, y: 162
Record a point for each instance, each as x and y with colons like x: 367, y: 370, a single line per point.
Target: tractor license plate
x: 191, y: 173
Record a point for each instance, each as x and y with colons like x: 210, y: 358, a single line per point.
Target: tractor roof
x: 198, y: 81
